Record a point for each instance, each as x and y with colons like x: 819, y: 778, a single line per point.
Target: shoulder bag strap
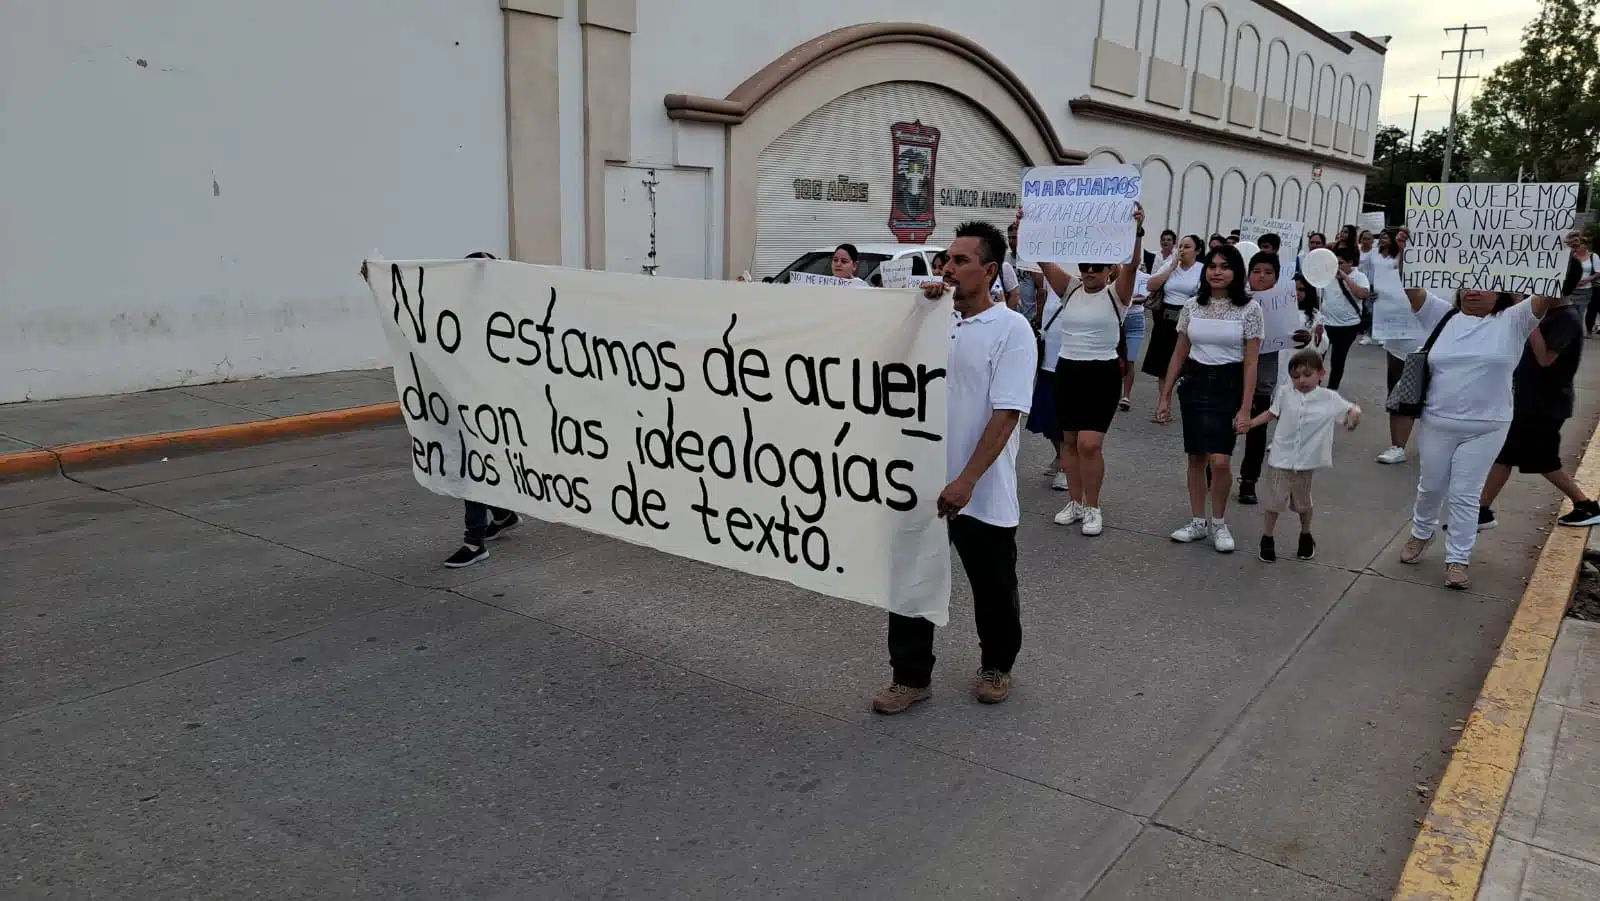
x: 1060, y: 308
x: 1428, y: 345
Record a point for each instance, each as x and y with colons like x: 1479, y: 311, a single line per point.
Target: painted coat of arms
x: 916, y: 151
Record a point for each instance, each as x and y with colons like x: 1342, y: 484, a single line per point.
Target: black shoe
x: 1308, y: 547
x: 1269, y: 550
x: 498, y: 527
x: 1486, y: 520
x: 1584, y: 514
x: 466, y: 555
x: 1247, y: 493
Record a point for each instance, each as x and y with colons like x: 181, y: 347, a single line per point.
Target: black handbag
x: 1410, y: 392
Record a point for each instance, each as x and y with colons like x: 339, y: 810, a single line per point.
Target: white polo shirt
x: 991, y: 367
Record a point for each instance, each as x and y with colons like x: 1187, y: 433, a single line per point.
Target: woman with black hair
x: 1342, y: 311
x: 1466, y: 411
x: 1349, y: 236
x: 845, y: 261
x: 1388, y: 288
x: 1178, y: 282
x: 1213, y: 369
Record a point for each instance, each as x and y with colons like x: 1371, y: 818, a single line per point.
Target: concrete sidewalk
x: 244, y: 673
x: 79, y: 420
x: 1547, y: 846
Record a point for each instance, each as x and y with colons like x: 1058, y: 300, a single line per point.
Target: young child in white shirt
x: 1302, y: 443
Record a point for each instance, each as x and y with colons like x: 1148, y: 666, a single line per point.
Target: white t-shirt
x: 1303, y: 438
x: 1052, y: 335
x: 1470, y: 366
x: 1090, y: 325
x: 1340, y: 310
x: 1183, y: 284
x: 1322, y: 347
x: 1217, y: 331
x: 991, y: 367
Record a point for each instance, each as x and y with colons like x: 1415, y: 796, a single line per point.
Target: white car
x: 868, y: 258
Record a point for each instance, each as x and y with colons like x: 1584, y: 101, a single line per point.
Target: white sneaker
x: 1196, y: 530
x: 1364, y: 340
x: 1069, y: 514
x: 1093, y: 522
x: 1054, y: 469
x: 1393, y: 455
x: 1222, y: 539
x: 1059, y: 483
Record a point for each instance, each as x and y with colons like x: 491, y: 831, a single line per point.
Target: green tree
x: 1539, y: 114
x: 1399, y: 163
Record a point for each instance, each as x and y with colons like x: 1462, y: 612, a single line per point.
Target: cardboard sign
x: 810, y: 278
x: 896, y: 273
x: 1251, y: 228
x: 1489, y: 236
x: 1077, y: 214
x: 686, y: 416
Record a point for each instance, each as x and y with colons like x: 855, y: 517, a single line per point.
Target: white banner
x: 1078, y: 214
x: 1292, y: 233
x: 1489, y: 236
x: 689, y: 416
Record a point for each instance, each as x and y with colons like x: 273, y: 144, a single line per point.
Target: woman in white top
x: 1341, y: 310
x: 1218, y: 348
x: 1042, y: 415
x: 1579, y: 286
x: 1180, y: 282
x: 1465, y: 413
x: 845, y: 261
x: 1089, y: 373
x: 1389, y: 290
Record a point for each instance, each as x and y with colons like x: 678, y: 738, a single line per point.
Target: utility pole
x: 1461, y: 56
x: 1416, y: 107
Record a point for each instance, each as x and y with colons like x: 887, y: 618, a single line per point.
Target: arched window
x: 1277, y: 86
x: 1212, y: 52
x: 1230, y: 201
x: 1157, y: 195
x: 1104, y: 156
x: 1194, y: 205
x: 1289, y: 199
x: 1247, y: 58
x: 1312, y: 216
x: 1172, y: 31
x: 1119, y: 21
x: 1334, y: 220
x: 1264, y: 196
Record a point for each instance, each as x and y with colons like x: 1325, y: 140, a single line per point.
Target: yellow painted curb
x: 102, y: 453
x: 1448, y: 858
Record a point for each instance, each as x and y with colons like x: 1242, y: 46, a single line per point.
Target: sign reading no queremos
x: 730, y: 423
x: 1489, y: 236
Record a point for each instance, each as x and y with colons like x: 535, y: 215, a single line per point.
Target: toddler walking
x: 1302, y: 443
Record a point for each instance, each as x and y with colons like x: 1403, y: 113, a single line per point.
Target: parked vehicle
x: 869, y: 257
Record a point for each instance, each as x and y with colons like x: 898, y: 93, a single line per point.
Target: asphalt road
x: 244, y: 675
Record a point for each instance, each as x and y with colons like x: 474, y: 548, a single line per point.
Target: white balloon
x: 1320, y: 268
x: 1247, y: 249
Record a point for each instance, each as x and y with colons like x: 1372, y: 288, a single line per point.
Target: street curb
x: 239, y: 434
x: 1448, y: 858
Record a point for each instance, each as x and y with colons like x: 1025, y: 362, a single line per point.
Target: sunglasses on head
x: 1090, y: 268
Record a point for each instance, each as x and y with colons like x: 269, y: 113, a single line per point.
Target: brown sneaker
x: 1455, y: 576
x: 898, y: 698
x: 1412, y: 552
x: 992, y: 686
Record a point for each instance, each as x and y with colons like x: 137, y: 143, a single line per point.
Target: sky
x: 1413, y: 62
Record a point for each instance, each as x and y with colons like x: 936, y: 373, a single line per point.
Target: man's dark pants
x: 989, y: 556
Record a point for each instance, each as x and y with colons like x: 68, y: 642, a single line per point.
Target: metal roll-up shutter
x: 831, y: 177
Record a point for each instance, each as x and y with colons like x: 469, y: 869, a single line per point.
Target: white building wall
x: 187, y: 187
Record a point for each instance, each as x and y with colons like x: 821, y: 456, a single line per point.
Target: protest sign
x: 1292, y: 233
x: 1393, y: 319
x: 686, y: 416
x: 1280, y: 308
x: 809, y: 278
x: 1371, y: 222
x: 1489, y: 236
x: 896, y: 273
x: 1077, y: 214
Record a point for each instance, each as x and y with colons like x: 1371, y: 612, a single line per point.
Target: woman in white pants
x: 1466, y: 413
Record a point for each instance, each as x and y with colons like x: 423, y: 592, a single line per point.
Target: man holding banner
x: 990, y: 382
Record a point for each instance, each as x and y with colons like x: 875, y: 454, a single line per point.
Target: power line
x: 1461, y: 56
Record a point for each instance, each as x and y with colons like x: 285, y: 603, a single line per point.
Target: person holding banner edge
x: 1089, y: 373
x: 990, y: 377
x: 1213, y: 369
